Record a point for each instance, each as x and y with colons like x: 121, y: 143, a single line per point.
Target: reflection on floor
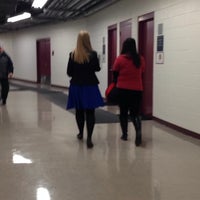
x: 41, y: 159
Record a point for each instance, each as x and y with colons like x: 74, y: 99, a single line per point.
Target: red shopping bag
x: 111, y: 93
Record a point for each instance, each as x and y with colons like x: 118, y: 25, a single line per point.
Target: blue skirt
x: 84, y: 97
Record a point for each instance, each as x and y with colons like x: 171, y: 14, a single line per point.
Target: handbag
x: 112, y: 94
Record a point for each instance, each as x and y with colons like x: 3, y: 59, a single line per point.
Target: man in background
x: 6, y: 72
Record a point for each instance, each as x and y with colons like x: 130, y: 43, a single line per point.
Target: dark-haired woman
x: 129, y: 67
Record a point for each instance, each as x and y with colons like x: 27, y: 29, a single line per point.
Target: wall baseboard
x: 178, y: 128
x: 34, y: 82
x: 24, y: 80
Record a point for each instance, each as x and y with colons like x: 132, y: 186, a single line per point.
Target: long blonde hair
x: 83, y: 47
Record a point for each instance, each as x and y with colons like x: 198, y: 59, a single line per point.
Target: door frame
x: 147, y: 112
x: 122, y: 24
x: 112, y: 49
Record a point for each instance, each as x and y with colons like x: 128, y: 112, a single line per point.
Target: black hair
x: 129, y: 48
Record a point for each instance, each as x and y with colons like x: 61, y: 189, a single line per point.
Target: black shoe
x: 80, y: 136
x: 89, y: 144
x: 124, y: 137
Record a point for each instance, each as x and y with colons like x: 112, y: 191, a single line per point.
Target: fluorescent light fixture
x: 39, y: 3
x: 16, y: 18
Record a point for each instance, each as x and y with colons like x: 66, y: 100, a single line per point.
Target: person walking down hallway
x: 127, y: 70
x: 6, y: 72
x: 84, y: 94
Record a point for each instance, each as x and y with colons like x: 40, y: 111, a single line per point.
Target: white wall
x: 6, y: 42
x: 176, y: 86
x: 63, y: 40
x: 176, y: 83
x: 24, y: 56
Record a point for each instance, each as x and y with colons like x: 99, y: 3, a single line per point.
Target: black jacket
x: 83, y: 74
x: 6, y: 65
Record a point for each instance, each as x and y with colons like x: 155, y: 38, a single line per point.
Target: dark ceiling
x: 54, y: 11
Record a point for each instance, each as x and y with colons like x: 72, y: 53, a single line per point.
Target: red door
x: 146, y: 33
x: 43, y: 61
x: 112, y: 49
x: 125, y: 31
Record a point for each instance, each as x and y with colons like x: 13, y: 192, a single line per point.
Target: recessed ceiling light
x: 39, y: 3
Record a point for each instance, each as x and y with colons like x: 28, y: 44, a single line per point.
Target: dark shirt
x: 6, y: 65
x: 83, y: 74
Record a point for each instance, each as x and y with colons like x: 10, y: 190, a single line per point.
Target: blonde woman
x: 84, y: 94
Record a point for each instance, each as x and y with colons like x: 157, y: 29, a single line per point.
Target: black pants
x: 4, y: 88
x: 129, y: 105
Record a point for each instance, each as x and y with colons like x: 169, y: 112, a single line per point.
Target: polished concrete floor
x: 41, y: 158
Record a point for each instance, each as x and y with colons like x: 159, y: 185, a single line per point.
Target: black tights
x: 89, y: 116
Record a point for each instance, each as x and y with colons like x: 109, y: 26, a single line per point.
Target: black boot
x: 138, y: 129
x: 138, y: 139
x: 124, y: 127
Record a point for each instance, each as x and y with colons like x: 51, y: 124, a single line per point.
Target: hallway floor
x: 41, y: 158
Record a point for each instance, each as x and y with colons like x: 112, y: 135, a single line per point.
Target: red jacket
x: 129, y: 76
